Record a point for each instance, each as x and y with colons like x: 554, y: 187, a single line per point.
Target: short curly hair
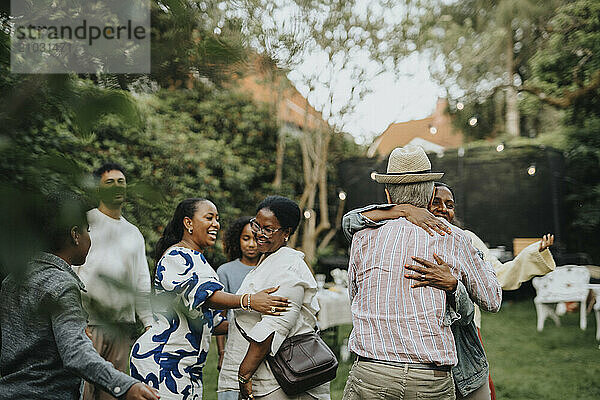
x: 231, y: 241
x: 286, y: 211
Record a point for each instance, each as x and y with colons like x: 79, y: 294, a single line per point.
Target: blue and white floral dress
x: 171, y: 354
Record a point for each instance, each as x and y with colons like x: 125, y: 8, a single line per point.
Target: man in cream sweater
x: 115, y: 275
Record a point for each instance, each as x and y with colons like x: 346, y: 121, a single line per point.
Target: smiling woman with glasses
x: 244, y: 373
x: 265, y: 230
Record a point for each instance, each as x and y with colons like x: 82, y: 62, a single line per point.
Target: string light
x: 473, y: 121
x: 432, y: 130
x: 531, y: 170
x: 500, y: 147
x: 342, y: 195
x: 307, y: 214
x: 460, y: 106
x: 373, y: 175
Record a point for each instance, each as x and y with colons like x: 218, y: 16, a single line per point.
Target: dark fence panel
x: 499, y: 196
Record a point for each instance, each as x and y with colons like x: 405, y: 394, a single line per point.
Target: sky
x: 403, y: 95
x: 398, y: 95
x: 394, y: 99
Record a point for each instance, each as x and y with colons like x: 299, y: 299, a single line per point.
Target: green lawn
x: 559, y: 363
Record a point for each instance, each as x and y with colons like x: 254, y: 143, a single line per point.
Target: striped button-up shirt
x: 394, y: 322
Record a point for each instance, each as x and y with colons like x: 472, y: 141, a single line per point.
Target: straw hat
x: 408, y: 164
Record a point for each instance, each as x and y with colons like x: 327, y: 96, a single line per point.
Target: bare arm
x: 220, y: 330
x: 439, y: 275
x: 221, y: 340
x: 255, y: 355
x: 377, y: 215
x: 262, y: 301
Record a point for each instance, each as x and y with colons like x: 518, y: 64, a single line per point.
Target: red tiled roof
x: 401, y: 133
x: 293, y: 109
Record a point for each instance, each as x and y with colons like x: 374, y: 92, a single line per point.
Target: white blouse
x: 284, y: 268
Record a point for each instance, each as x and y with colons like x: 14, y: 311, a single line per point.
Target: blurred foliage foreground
x: 173, y: 145
x: 180, y: 137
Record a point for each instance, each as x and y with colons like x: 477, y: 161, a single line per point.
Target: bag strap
x: 243, y: 332
x: 249, y: 339
x: 316, y: 325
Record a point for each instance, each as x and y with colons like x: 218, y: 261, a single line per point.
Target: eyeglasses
x: 256, y: 228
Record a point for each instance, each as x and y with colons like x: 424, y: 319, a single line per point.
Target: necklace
x: 187, y: 245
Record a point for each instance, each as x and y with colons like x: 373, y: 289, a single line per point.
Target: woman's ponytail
x: 173, y: 232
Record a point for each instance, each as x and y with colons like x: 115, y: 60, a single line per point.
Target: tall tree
x: 481, y: 47
x: 342, y: 38
x: 566, y: 75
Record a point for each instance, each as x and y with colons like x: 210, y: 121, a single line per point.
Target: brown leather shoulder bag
x: 303, y: 362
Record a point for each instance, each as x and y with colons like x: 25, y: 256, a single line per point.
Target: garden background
x: 529, y: 71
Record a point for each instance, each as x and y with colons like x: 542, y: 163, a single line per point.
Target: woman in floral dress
x: 189, y: 298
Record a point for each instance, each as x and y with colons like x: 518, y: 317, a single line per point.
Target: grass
x: 559, y: 363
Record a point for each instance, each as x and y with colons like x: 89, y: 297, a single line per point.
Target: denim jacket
x: 472, y: 369
x: 44, y: 349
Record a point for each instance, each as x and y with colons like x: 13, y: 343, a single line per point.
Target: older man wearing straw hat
x: 403, y: 343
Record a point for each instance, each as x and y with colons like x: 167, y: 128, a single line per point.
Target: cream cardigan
x: 284, y: 268
x: 528, y: 263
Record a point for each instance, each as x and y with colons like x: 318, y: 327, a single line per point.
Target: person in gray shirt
x: 44, y: 349
x: 242, y: 252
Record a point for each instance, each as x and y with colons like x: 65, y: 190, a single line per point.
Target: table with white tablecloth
x: 334, y: 311
x: 335, y: 307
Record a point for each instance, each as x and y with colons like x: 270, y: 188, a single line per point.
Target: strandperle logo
x: 91, y: 36
x: 83, y: 31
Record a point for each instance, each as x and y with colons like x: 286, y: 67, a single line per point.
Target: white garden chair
x: 566, y: 283
x: 596, y: 290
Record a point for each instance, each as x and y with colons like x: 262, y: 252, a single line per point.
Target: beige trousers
x: 369, y: 381
x: 112, y: 347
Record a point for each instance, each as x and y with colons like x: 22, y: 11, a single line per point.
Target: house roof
x: 293, y: 108
x: 436, y: 129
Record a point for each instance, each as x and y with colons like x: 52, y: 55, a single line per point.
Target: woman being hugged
x: 189, y: 298
x: 244, y: 371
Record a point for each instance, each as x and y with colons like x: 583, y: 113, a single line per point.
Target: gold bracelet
x: 243, y: 380
x: 242, y: 301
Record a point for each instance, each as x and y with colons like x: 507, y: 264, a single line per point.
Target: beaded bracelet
x: 249, y: 300
x: 243, y: 380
